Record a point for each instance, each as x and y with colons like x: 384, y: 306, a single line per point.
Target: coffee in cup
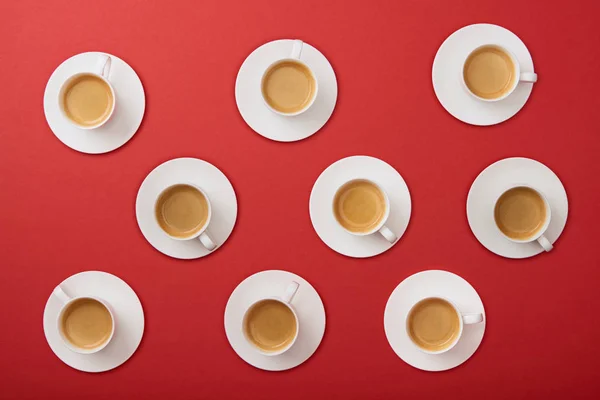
x: 435, y: 325
x: 183, y: 212
x: 491, y: 73
x: 361, y: 207
x: 289, y: 86
x: 271, y: 325
x: 87, y: 99
x: 522, y: 214
x: 86, y: 324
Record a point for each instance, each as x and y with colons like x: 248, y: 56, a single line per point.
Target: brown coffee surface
x: 270, y: 325
x: 359, y: 206
x: 433, y: 324
x: 181, y: 211
x: 520, y: 213
x: 87, y: 100
x: 86, y: 324
x: 489, y: 72
x: 288, y: 87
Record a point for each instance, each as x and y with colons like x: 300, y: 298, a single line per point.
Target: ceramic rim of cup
x: 383, y: 220
x: 261, y: 351
x: 541, y: 231
x: 517, y: 72
x: 310, y: 103
x: 61, y: 94
x: 460, y: 319
x: 79, y: 349
x: 203, y: 229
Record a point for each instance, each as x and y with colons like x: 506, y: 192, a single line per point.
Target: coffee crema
x: 489, y: 72
x: 86, y: 324
x: 433, y: 324
x: 270, y: 326
x: 87, y: 100
x: 181, y: 211
x: 288, y: 87
x: 520, y: 213
x: 359, y: 206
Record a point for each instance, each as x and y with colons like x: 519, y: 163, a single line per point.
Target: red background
x: 62, y: 212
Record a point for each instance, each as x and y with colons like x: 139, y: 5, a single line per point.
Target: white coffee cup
x: 539, y: 236
x: 202, y: 234
x: 530, y: 77
x: 286, y: 300
x: 101, y: 71
x: 464, y: 319
x: 66, y: 301
x: 381, y: 228
x: 294, y: 57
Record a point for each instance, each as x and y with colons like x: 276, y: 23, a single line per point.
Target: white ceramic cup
x: 464, y: 319
x: 539, y: 237
x: 286, y: 300
x: 530, y: 77
x: 101, y: 71
x: 381, y: 228
x: 294, y: 57
x: 66, y: 301
x: 202, y: 234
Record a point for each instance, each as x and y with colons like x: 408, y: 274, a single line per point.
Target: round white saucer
x: 429, y: 284
x: 265, y: 122
x: 488, y: 186
x: 324, y: 190
x: 206, y: 176
x: 306, y: 302
x: 127, y: 117
x: 129, y: 321
x: 447, y: 70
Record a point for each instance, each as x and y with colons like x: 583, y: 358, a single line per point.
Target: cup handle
x: 103, y: 66
x: 290, y: 292
x: 207, y: 241
x: 528, y: 77
x: 388, y: 234
x: 469, y: 319
x: 545, y: 243
x: 297, y: 49
x: 62, y: 296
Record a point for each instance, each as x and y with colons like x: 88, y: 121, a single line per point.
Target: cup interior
x: 360, y: 206
x: 270, y: 326
x: 490, y: 72
x: 87, y: 100
x: 522, y: 213
x: 289, y: 87
x: 86, y: 325
x: 434, y: 325
x: 182, y: 211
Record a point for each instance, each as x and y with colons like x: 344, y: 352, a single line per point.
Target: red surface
x: 62, y: 212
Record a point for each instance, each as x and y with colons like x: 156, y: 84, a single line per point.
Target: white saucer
x: 306, y: 302
x: 429, y: 284
x: 488, y: 187
x: 447, y: 70
x: 205, y: 175
x: 127, y: 117
x: 324, y: 190
x: 129, y: 321
x: 264, y: 121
